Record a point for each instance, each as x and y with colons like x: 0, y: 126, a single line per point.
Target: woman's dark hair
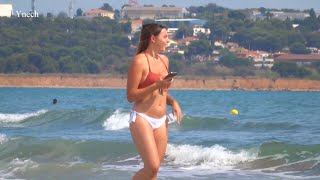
x: 146, y: 32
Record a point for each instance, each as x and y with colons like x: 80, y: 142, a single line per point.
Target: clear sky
x: 56, y: 6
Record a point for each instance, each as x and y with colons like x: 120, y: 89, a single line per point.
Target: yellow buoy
x: 234, y: 111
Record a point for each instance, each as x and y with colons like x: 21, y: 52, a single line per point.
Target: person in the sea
x: 148, y: 89
x: 54, y: 101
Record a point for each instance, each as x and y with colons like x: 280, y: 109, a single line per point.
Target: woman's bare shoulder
x: 139, y: 59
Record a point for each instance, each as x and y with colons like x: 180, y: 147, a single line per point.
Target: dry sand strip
x: 193, y: 83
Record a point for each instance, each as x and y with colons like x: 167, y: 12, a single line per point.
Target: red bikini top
x: 151, y: 77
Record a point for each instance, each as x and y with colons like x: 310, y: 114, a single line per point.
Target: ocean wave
x: 16, y: 166
x: 108, y: 119
x: 286, y: 159
x: 204, y: 123
x: 16, y: 118
x: 61, y: 150
x: 3, y: 138
x: 214, y: 123
x: 293, y: 151
x: 190, y: 155
x: 271, y: 125
x: 72, y: 118
x: 118, y: 120
x: 275, y: 157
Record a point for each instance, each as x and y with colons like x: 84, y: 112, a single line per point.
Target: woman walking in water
x: 148, y: 89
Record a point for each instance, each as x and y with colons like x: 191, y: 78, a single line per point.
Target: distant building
x: 314, y: 50
x: 256, y: 14
x: 284, y: 15
x: 196, y: 24
x: 171, y: 32
x: 173, y: 47
x: 234, y: 47
x: 153, y: 12
x: 201, y: 30
x: 5, y: 10
x: 186, y: 41
x: 175, y: 22
x: 260, y: 58
x: 299, y: 59
x: 136, y: 25
x: 99, y: 13
x: 219, y: 44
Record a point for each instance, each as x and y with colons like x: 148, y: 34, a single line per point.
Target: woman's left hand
x: 176, y: 111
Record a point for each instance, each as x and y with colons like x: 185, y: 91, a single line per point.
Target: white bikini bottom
x: 154, y: 122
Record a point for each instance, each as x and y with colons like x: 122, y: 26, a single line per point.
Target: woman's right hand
x: 164, y: 83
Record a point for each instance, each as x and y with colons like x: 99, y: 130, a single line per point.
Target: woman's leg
x: 143, y: 137
x: 161, y: 138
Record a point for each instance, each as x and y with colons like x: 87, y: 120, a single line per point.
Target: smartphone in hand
x: 171, y: 75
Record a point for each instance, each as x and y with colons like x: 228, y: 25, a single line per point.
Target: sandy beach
x: 183, y: 83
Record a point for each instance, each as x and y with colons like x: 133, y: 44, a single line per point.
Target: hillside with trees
x: 49, y: 44
x: 63, y: 45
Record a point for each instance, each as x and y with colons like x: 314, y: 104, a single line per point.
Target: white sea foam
x: 3, y: 138
x: 171, y: 118
x: 17, y: 166
x: 118, y: 120
x: 215, y: 156
x: 14, y: 118
x: 193, y: 162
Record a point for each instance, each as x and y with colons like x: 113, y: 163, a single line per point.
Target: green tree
x: 135, y: 39
x: 268, y: 15
x: 237, y: 14
x: 221, y: 31
x: 62, y: 15
x: 92, y: 67
x: 299, y: 48
x: 316, y: 65
x: 49, y: 15
x: 117, y: 14
x: 210, y: 24
x: 126, y: 27
x: 201, y: 47
x: 295, y: 37
x: 232, y: 61
x: 79, y: 12
x: 311, y: 23
x: 313, y: 39
x: 106, y: 7
x: 183, y: 31
x: 262, y: 10
x: 288, y: 69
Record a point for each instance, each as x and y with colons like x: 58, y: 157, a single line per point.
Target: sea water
x: 276, y: 135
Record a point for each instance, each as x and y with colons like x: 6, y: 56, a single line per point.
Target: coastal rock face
x: 100, y: 81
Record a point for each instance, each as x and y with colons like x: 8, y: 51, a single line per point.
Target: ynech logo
x: 28, y: 14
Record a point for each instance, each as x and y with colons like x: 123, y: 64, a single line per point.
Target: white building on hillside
x: 153, y: 12
x: 201, y: 30
x: 5, y: 10
x: 99, y: 13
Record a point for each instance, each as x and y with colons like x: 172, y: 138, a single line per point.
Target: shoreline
x: 180, y: 82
